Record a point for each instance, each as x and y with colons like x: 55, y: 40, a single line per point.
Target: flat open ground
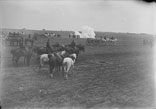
x: 119, y: 76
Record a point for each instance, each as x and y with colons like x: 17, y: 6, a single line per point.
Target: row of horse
x: 105, y: 41
x: 148, y: 42
x: 16, y: 39
x: 60, y: 57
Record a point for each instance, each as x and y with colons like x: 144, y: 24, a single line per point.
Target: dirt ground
x: 119, y: 76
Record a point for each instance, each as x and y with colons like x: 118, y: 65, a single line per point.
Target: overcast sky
x: 102, y: 15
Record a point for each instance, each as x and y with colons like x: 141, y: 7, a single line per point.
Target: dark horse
x: 56, y: 60
x: 75, y: 49
x: 14, y: 38
x: 40, y: 50
x: 79, y: 47
x: 31, y: 40
x: 22, y: 52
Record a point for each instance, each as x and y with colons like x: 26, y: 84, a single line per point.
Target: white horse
x: 113, y: 41
x: 104, y: 41
x: 110, y: 41
x: 68, y: 63
x: 44, y: 58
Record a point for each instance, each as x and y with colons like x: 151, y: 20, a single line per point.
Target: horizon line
x: 73, y: 31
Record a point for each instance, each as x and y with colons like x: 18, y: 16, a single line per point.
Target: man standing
x: 48, y: 47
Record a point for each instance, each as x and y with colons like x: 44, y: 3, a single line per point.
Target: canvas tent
x: 76, y: 33
x: 86, y: 32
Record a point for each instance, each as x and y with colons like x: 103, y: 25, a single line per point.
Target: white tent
x: 87, y: 32
x: 77, y: 33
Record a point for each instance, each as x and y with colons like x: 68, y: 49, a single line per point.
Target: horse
x: 75, y: 49
x: 30, y: 39
x: 68, y: 63
x: 43, y: 60
x: 15, y: 38
x: 56, y: 60
x: 91, y: 41
x: 22, y: 52
x: 111, y: 41
x: 79, y: 48
x: 60, y: 55
x: 40, y: 50
x: 114, y: 40
x: 104, y: 40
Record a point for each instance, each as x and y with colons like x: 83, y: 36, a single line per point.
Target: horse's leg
x: 16, y: 43
x: 13, y: 58
x: 40, y: 66
x: 32, y: 43
x: 51, y: 68
x: 24, y: 59
x: 66, y: 75
x: 28, y: 60
x: 10, y: 43
x: 63, y: 69
x: 68, y: 66
x: 41, y: 63
x: 72, y: 69
x: 60, y: 69
x: 17, y: 59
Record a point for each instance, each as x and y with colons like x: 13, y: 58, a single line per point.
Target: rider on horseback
x: 73, y: 44
x: 21, y: 45
x: 112, y: 38
x: 48, y: 47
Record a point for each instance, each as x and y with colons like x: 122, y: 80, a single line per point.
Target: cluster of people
x: 102, y: 40
x: 59, y: 57
x: 148, y: 42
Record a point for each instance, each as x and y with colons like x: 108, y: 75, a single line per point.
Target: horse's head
x: 73, y: 56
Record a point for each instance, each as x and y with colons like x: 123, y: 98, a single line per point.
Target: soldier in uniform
x: 73, y: 44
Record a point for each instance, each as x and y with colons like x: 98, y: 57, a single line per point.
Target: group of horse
x: 51, y: 34
x: 13, y: 38
x: 16, y: 38
x: 102, y: 40
x: 72, y: 35
x: 148, y: 42
x: 59, y: 57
